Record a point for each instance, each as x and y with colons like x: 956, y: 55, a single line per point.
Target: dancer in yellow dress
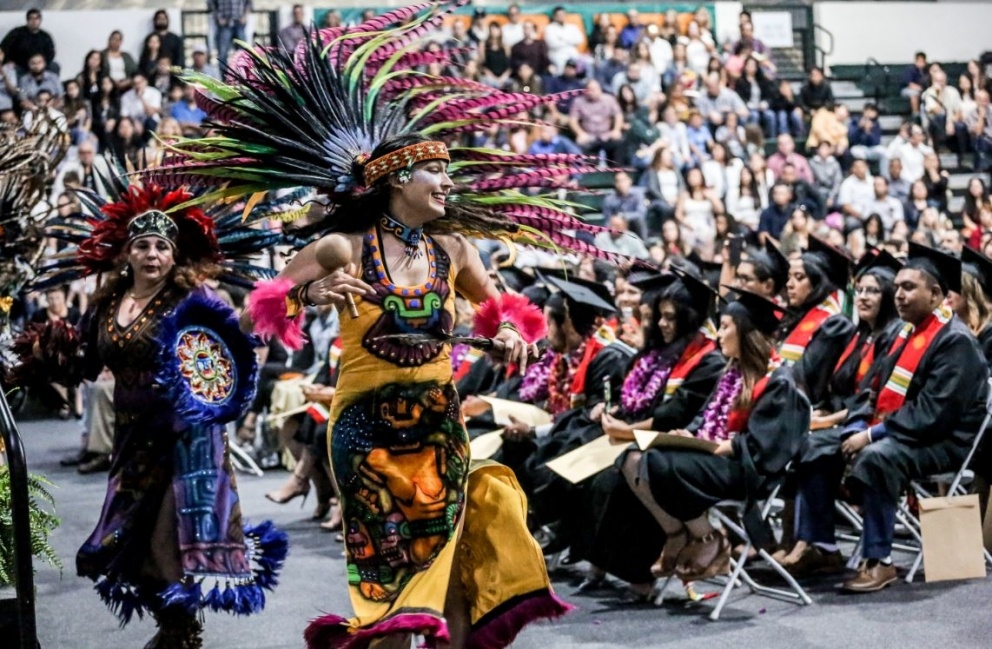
x: 436, y: 544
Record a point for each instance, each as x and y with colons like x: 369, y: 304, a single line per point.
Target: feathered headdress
x: 313, y: 117
x: 216, y: 234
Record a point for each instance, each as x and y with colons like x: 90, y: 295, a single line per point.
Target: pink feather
x: 267, y: 309
x: 514, y: 309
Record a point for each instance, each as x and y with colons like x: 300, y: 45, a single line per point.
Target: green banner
x: 588, y: 11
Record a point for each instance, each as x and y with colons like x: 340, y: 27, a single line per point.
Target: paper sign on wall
x: 773, y: 28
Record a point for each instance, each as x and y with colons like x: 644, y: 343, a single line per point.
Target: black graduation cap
x: 764, y: 314
x: 777, y: 263
x: 516, y: 279
x: 877, y: 258
x: 651, y: 281
x: 943, y: 267
x: 702, y: 295
x: 579, y: 291
x: 980, y: 266
x: 838, y: 263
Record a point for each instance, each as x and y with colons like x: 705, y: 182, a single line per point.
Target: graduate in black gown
x: 926, y: 402
x: 878, y: 326
x: 578, y: 371
x: 761, y: 270
x: 814, y: 335
x: 758, y: 417
x: 665, y: 388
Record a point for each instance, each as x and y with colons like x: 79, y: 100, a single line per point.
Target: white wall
x: 77, y: 32
x: 892, y: 32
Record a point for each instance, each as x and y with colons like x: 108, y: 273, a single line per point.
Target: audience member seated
x: 942, y: 117
x: 118, y: 64
x: 189, y: 115
x: 816, y: 92
x: 898, y: 432
x: 915, y: 80
x: 36, y: 80
x: 513, y: 28
x: 663, y: 185
x: 830, y: 124
x: 786, y: 152
x: 898, y: 185
x: 980, y: 130
x: 530, y: 50
x: 201, y: 62
x: 865, y: 135
x: 293, y: 34
x: 745, y: 200
x: 718, y: 100
x: 912, y: 152
x: 563, y: 39
x: 857, y: 190
x: 887, y: 207
x: 788, y: 111
x: 758, y: 92
x: 803, y: 193
x: 170, y: 44
x: 597, y: 122
x: 628, y: 202
x: 550, y: 141
x: 766, y: 419
x: 142, y: 103
x: 22, y: 43
x: 696, y: 212
x: 777, y: 214
x: 827, y: 175
x: 619, y: 238
x: 569, y: 80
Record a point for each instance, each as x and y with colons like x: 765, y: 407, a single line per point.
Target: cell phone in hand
x: 736, y: 248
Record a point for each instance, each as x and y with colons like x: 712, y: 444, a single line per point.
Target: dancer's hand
x: 511, y: 348
x: 335, y: 287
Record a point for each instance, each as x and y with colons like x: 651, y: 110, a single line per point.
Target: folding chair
x: 957, y: 481
x: 738, y: 574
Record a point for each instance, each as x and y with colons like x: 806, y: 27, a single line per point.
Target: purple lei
x: 714, y: 426
x: 649, y: 375
x: 534, y: 385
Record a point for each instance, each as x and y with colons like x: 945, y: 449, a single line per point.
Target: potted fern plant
x: 43, y: 523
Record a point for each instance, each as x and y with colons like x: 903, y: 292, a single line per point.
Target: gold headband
x: 402, y: 158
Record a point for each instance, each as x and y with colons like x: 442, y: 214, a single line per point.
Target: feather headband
x: 404, y: 158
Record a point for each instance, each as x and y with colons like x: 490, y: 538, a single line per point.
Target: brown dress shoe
x: 816, y: 561
x: 872, y: 576
x: 98, y: 464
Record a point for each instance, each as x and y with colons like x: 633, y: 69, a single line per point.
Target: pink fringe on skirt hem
x: 333, y: 632
x: 503, y: 628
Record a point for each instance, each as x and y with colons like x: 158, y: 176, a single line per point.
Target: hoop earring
x: 125, y: 271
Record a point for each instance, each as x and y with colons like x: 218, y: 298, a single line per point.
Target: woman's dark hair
x: 583, y: 318
x: 970, y: 204
x: 627, y: 106
x: 815, y: 265
x: 87, y: 58
x: 688, y: 319
x: 877, y: 220
x: 755, y: 351
x: 652, y: 332
x: 752, y: 185
x: 887, y: 282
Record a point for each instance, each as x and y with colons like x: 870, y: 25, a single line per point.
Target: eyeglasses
x: 868, y: 290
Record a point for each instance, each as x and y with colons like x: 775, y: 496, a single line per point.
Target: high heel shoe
x: 322, y: 510
x: 335, y: 522
x: 668, y: 561
x: 281, y: 497
x: 692, y: 564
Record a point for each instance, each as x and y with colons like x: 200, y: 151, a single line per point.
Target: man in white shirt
x: 887, y: 207
x: 142, y: 103
x: 563, y: 39
x: 620, y: 240
x: 857, y: 190
x: 912, y: 154
x: 660, y: 48
x: 941, y: 112
x: 513, y: 30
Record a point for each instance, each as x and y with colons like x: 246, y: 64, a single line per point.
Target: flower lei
x: 534, y: 386
x: 649, y: 374
x: 715, y: 417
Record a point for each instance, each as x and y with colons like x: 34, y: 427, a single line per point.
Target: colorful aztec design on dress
x: 406, y: 309
x: 401, y: 458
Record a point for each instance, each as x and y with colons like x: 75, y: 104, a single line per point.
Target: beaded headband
x: 402, y: 158
x: 153, y: 223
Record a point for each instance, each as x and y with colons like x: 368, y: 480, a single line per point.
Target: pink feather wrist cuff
x: 268, y: 309
x: 515, y: 311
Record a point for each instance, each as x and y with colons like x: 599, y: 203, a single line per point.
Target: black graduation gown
x: 486, y: 378
x: 687, y: 483
x: 934, y: 429
x: 842, y: 386
x: 815, y: 367
x: 614, y: 530
x: 528, y: 457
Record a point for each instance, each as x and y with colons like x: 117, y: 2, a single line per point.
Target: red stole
x: 691, y: 357
x: 737, y: 418
x: 867, y: 357
x: 917, y: 341
x: 794, y: 345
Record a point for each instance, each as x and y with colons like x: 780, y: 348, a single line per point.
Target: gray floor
x: 71, y: 616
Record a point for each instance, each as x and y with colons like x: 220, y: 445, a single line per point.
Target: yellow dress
x: 414, y: 505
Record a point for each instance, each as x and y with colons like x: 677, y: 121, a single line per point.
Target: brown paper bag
x: 952, y: 538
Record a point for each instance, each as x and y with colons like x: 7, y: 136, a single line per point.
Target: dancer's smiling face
x: 421, y: 197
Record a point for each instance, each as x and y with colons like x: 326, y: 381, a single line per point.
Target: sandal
x: 694, y: 564
x: 668, y: 560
